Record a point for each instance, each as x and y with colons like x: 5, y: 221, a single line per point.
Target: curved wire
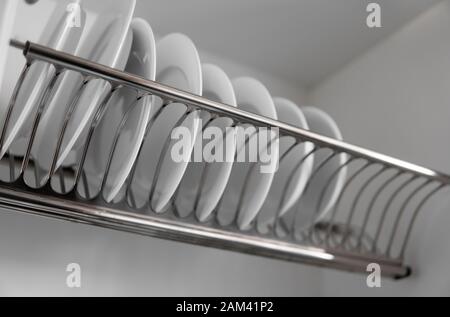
x: 63, y: 128
x: 307, y: 186
x: 163, y: 154
x: 49, y: 92
x: 372, y: 203
x: 282, y: 199
x: 238, y: 150
x: 205, y: 126
x: 414, y: 217
x: 100, y: 112
x: 13, y: 100
x: 341, y: 194
x: 205, y: 172
x: 356, y: 200
x: 115, y: 142
x: 247, y: 179
x: 278, y: 221
x: 129, y: 192
x: 400, y: 214
x: 386, y: 208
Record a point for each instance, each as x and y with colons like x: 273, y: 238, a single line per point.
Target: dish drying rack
x: 371, y: 221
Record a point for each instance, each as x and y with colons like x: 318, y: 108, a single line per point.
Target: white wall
x: 396, y: 99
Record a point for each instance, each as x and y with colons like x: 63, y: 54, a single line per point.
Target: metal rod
x: 101, y: 110
x: 11, y: 105
x: 71, y: 210
x: 377, y: 194
x: 36, y: 51
x: 129, y: 194
x: 44, y: 98
x: 414, y: 218
x: 387, y: 206
x: 164, y: 151
x: 400, y: 214
x: 127, y: 217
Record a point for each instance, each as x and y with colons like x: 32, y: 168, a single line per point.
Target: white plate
x: 108, y: 41
x: 291, y: 178
x: 216, y: 86
x: 178, y: 66
x: 307, y: 213
x: 7, y: 14
x: 252, y: 96
x: 104, y: 36
x: 60, y: 35
x: 125, y: 120
x: 29, y: 22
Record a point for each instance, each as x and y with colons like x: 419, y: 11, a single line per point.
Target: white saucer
x: 290, y: 179
x: 204, y: 182
x: 178, y: 65
x: 59, y: 35
x: 252, y: 96
x: 307, y: 213
x: 107, y: 23
x: 122, y: 127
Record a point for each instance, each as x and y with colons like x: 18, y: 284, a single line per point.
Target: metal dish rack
x: 371, y: 222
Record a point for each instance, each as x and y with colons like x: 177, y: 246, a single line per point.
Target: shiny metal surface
x: 370, y: 218
x: 76, y: 211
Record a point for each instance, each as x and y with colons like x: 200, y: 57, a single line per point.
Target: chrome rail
x: 371, y: 221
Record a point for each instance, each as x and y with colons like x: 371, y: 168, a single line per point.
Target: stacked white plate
x: 122, y: 141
